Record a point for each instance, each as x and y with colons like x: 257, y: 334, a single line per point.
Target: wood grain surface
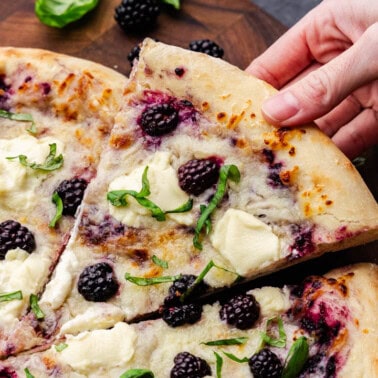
x: 242, y: 29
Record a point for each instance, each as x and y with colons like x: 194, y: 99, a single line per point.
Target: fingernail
x: 281, y: 107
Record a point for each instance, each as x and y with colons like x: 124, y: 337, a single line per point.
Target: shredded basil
x: 159, y: 262
x: 52, y: 162
x: 61, y: 347
x: 219, y: 364
x: 59, y: 13
x: 234, y: 341
x: 226, y: 172
x: 279, y: 342
x: 22, y: 117
x: 142, y: 281
x: 39, y: 314
x: 138, y: 373
x: 6, y: 297
x: 174, y: 3
x: 118, y: 198
x: 59, y: 209
x: 236, y: 359
x: 296, y: 358
x: 28, y: 374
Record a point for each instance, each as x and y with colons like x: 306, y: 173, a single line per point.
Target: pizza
x: 177, y: 187
x: 320, y: 327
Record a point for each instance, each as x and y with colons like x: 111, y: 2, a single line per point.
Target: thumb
x: 322, y: 89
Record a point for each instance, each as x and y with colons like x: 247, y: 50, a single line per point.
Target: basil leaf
x: 58, y: 13
x: 59, y: 209
x: 296, y: 358
x: 22, y: 117
x: 11, y: 296
x: 28, y: 374
x: 235, y: 341
x: 174, y: 3
x: 236, y: 359
x: 39, y: 314
x: 279, y: 342
x: 118, y: 198
x: 219, y: 364
x: 138, y: 373
x: 163, y: 264
x: 142, y: 281
x: 208, y: 225
x: 226, y: 172
x: 61, y: 347
x: 51, y: 163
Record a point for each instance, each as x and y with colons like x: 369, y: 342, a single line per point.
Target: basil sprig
x: 219, y: 364
x: 296, y: 358
x: 159, y: 262
x: 28, y: 374
x: 142, y: 281
x: 39, y: 314
x: 61, y: 347
x: 118, y: 198
x: 227, y: 172
x: 15, y: 295
x: 52, y: 162
x: 279, y: 342
x: 138, y: 373
x: 59, y: 13
x: 22, y: 117
x: 235, y: 341
x: 59, y: 209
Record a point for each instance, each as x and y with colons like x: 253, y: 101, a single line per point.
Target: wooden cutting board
x: 242, y: 29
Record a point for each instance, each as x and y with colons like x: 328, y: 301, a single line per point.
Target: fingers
x: 359, y: 134
x: 324, y: 88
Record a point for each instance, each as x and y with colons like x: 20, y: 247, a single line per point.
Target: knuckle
x: 317, y: 87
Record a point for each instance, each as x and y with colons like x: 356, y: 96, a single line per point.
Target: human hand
x: 327, y: 68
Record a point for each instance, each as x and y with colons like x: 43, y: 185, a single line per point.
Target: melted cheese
x: 273, y: 300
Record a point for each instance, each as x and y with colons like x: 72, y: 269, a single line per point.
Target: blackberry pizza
x: 173, y: 185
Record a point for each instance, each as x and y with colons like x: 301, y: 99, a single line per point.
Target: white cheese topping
x: 245, y: 241
x: 17, y: 182
x: 165, y: 192
x: 273, y: 300
x: 105, y: 349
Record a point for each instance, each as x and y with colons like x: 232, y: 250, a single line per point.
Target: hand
x: 327, y: 68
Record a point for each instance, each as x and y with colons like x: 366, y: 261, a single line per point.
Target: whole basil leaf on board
x: 59, y: 13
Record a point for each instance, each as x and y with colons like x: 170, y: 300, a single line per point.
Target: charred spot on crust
x: 179, y: 71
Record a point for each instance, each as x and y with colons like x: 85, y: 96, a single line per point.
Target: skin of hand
x: 326, y: 68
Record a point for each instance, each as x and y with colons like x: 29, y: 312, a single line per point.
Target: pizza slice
x: 322, y: 327
x: 194, y: 179
x: 56, y: 112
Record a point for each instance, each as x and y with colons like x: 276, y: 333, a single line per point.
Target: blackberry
x: 137, y: 15
x: 71, y: 192
x: 207, y: 46
x: 176, y: 316
x: 159, y: 119
x: 97, y: 283
x: 14, y: 235
x: 241, y: 311
x: 197, y: 175
x: 133, y: 54
x: 265, y: 364
x: 189, y: 366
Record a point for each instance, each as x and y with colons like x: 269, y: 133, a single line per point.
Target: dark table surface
x: 239, y: 26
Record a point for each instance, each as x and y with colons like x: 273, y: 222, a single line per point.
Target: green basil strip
x: 208, y: 225
x: 279, y: 342
x: 59, y: 209
x: 219, y: 364
x: 59, y: 13
x: 234, y: 341
x: 51, y: 163
x: 118, y: 198
x: 226, y: 172
x: 174, y: 3
x: 61, y: 347
x: 22, y: 117
x: 28, y: 374
x: 236, y: 359
x: 138, y: 373
x: 296, y: 358
x: 163, y: 264
x: 142, y: 281
x: 11, y: 296
x: 39, y: 314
